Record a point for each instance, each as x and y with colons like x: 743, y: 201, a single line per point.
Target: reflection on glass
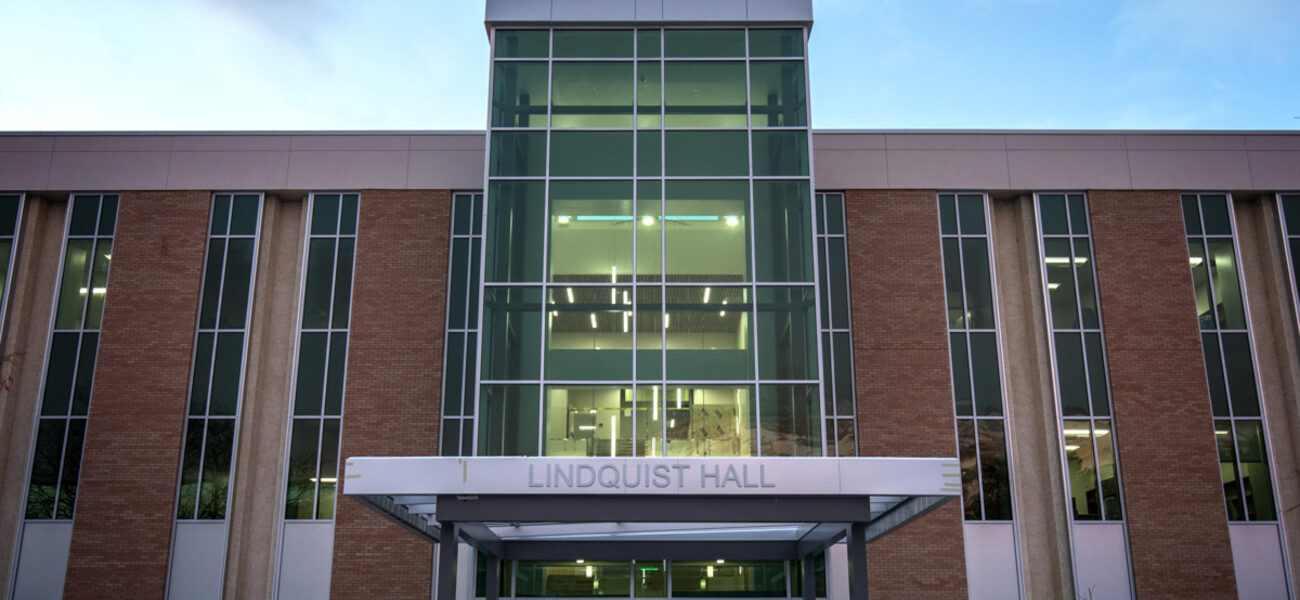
x: 593, y: 43
x: 789, y: 420
x: 591, y: 94
x: 512, y: 328
x: 1070, y: 373
x: 1051, y: 207
x: 993, y: 467
x: 1256, y: 482
x: 1201, y: 281
x: 515, y: 228
x: 591, y: 153
x: 1239, y: 364
x: 781, y: 217
x: 705, y: 94
x: 702, y: 43
x: 1060, y: 283
x: 1224, y: 439
x: 1106, y: 469
x: 526, y: 43
x: 776, y: 42
x: 787, y: 334
x: 1227, y: 286
x: 778, y: 94
x: 1082, y: 465
x: 952, y: 279
x: 710, y: 421
x: 716, y: 579
x: 979, y: 289
x: 572, y: 579
x: 1087, y: 289
x: 518, y: 154
x: 508, y: 420
x: 649, y: 94
x: 970, y: 477
x: 588, y: 421
x: 519, y: 91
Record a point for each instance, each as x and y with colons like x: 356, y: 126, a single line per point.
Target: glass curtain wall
x: 460, y: 361
x: 649, y: 283
x: 836, y: 326
x: 216, y: 381
x: 70, y: 361
x: 1229, y: 359
x: 11, y: 209
x: 1079, y: 357
x: 654, y: 579
x: 975, y: 356
x: 312, y: 471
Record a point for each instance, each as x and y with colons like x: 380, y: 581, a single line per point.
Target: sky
x: 282, y: 65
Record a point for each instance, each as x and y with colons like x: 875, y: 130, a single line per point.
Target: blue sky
x: 422, y: 64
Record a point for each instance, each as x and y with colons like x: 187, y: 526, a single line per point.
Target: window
x: 836, y: 334
x: 70, y: 361
x: 460, y: 360
x: 976, y: 357
x: 1079, y: 357
x: 1229, y: 358
x: 11, y: 208
x: 322, y: 357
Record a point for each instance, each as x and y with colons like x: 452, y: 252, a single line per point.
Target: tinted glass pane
x: 311, y: 373
x: 46, y: 457
x: 202, y: 373
x: 72, y: 287
x: 592, y: 224
x: 1214, y: 209
x: 108, y: 215
x: 450, y: 440
x: 348, y: 216
x: 1291, y: 213
x: 649, y: 231
x: 591, y: 94
x: 1060, y: 283
x: 512, y: 329
x: 824, y: 285
x: 225, y: 374
x: 85, y: 374
x: 587, y: 421
x: 647, y: 43
x: 516, y: 223
x: 780, y: 152
x: 589, y: 334
x: 213, y: 487
x: 190, y: 469
x: 778, y: 94
x: 235, y: 289
x: 649, y: 333
x: 1070, y: 374
x: 649, y: 94
x: 1241, y: 375
x: 948, y: 214
x: 704, y: 42
x: 527, y: 43
x: 705, y: 94
x: 325, y: 214
x: 458, y: 292
x: 790, y: 420
x: 243, y: 217
x: 1087, y: 288
x: 711, y: 421
x: 593, y: 43
x: 705, y: 153
x: 300, y: 496
x: 1214, y: 371
x: 1191, y: 215
x: 960, y: 373
x: 993, y: 467
x: 979, y: 287
x: 1227, y: 286
x: 648, y: 154
x: 843, y: 361
x: 1097, y: 374
x: 85, y: 211
x: 838, y: 274
x: 708, y: 333
x: 588, y: 153
x: 1107, y: 470
x: 707, y: 231
x: 519, y: 93
x: 649, y: 411
x: 1224, y: 439
x: 220, y: 214
x: 1052, y: 210
x: 508, y: 423
x: 1082, y: 469
x: 334, y: 378
x: 570, y: 579
x: 1201, y: 281
x: 6, y: 246
x: 320, y: 280
x: 59, y: 373
x: 847, y: 443
x: 451, y: 381
x: 987, y: 377
x: 970, y: 476
x: 952, y: 279
x: 1078, y: 214
x: 1256, y: 483
x: 8, y: 214
x: 98, y: 284
x: 834, y: 213
x: 343, y: 283
x: 787, y: 333
x: 781, y: 217
x: 212, y: 283
x: 776, y: 42
x: 71, y: 469
x: 521, y: 154
x: 329, y: 469
x: 970, y: 210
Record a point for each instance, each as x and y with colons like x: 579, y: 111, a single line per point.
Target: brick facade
x: 1177, y: 527
x: 127, y: 496
x: 900, y: 348
x: 394, y: 382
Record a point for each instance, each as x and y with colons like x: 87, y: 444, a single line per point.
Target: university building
x: 650, y: 335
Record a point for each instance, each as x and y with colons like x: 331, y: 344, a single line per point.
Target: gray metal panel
x: 1273, y: 142
x: 113, y: 143
x: 634, y: 550
x: 593, y: 10
x: 796, y: 11
x: 26, y: 143
x: 25, y: 170
x: 649, y: 10
x: 42, y: 561
x: 250, y: 170
x: 991, y: 572
x: 213, y: 143
x: 1101, y: 560
x: 946, y: 141
x: 1189, y: 170
x: 1068, y: 169
x: 1278, y: 170
x: 850, y: 169
x: 306, y: 556
x: 351, y: 142
x: 468, y: 141
x: 108, y: 170
x: 457, y: 170
x: 713, y: 10
x: 1064, y: 141
x: 347, y: 169
x: 651, y: 509
x: 198, y: 561
x: 849, y: 141
x: 969, y: 169
x: 1257, y: 560
x: 517, y: 10
x: 1178, y: 141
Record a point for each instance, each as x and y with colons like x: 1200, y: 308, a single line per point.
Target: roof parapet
x: 535, y: 12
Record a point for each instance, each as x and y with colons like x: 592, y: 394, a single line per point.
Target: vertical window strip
x: 835, y: 329
x: 975, y: 356
x: 1082, y: 380
x: 1289, y: 210
x: 220, y: 349
x: 70, y: 361
x: 1239, y: 431
x: 315, y: 426
x: 11, y: 211
x: 460, y: 361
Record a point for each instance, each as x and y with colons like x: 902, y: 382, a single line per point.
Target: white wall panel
x: 991, y: 567
x: 198, y: 561
x: 42, y: 561
x: 306, y: 556
x: 1101, y: 562
x: 1257, y: 559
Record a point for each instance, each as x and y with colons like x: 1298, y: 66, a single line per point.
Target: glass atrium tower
x: 648, y: 273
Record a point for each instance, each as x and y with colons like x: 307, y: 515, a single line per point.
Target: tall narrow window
x: 11, y: 209
x: 322, y: 357
x: 70, y: 362
x: 975, y: 355
x: 1079, y: 356
x: 1289, y: 208
x: 1229, y: 358
x: 836, y: 335
x: 460, y: 361
x: 216, y: 385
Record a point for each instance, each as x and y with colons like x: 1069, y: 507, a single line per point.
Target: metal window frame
x: 7, y: 276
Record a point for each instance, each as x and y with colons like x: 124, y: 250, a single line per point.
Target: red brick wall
x: 394, y: 381
x: 1173, y: 496
x: 126, y: 502
x: 900, y: 348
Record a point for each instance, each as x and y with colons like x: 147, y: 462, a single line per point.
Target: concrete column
x: 1034, y: 448
x: 447, y: 554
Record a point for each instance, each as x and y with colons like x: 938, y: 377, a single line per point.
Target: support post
x: 858, y: 561
x: 493, y: 566
x: 809, y: 577
x: 447, y: 551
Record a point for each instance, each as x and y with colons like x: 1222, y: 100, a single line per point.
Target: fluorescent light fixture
x: 710, y: 570
x: 1071, y: 447
x: 593, y: 320
x: 1220, y: 432
x: 325, y: 479
x: 580, y: 561
x: 654, y: 403
x: 604, y: 217
x: 732, y: 221
x: 691, y: 218
x: 613, y: 296
x: 1062, y: 260
x: 1101, y: 432
x: 1196, y: 261
x: 100, y: 291
x: 569, y: 292
x: 1053, y: 286
x: 721, y: 561
x: 589, y: 570
x: 648, y: 221
x: 706, y: 294
x: 666, y: 315
x: 679, y: 397
x: 626, y: 298
x: 613, y: 274
x: 1076, y: 432
x: 626, y: 314
x: 563, y: 219
x: 586, y: 427
x: 592, y: 411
